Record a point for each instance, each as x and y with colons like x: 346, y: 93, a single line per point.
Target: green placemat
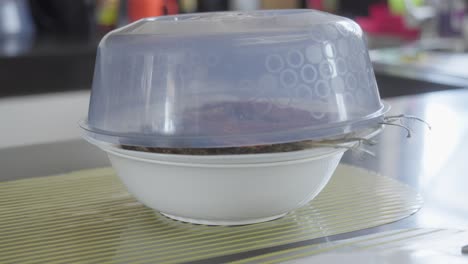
x: 88, y: 217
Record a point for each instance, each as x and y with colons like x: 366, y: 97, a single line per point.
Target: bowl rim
x: 227, y: 165
x: 228, y: 160
x: 332, y: 129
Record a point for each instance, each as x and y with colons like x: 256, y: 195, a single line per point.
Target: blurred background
x: 50, y: 45
x: 48, y: 49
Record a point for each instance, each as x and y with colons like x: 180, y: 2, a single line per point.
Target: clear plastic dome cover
x: 232, y: 79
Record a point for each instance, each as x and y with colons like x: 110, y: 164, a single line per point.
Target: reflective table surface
x: 434, y: 162
x: 443, y: 68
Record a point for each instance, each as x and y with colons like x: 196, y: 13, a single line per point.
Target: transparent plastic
x: 232, y: 79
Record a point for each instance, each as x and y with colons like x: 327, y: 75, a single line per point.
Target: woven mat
x: 88, y: 217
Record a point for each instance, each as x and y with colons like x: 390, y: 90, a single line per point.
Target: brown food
x: 285, y: 147
x: 234, y: 118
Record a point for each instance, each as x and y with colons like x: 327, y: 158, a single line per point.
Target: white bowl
x: 224, y: 189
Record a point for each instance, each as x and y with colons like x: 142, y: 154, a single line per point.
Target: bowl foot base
x: 223, y: 222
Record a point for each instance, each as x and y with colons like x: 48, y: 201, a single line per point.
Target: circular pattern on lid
x: 295, y: 58
x: 288, y: 78
x: 278, y: 62
x: 304, y: 91
x: 326, y: 70
x: 308, y: 73
x: 274, y: 63
x: 322, y: 89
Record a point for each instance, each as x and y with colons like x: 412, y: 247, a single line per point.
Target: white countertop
x: 39, y: 119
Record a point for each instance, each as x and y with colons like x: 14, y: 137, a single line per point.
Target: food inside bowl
x: 237, y: 117
x: 259, y: 149
x: 342, y: 142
